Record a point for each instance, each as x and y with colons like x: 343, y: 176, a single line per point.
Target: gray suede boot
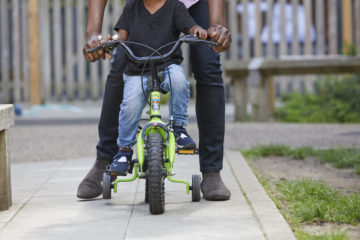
x: 213, y: 188
x: 90, y: 186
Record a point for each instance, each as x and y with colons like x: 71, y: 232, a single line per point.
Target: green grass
x: 302, y: 152
x: 340, y: 157
x: 308, y: 201
x: 300, y: 235
x: 335, y: 99
x: 337, y: 157
x: 264, y: 151
x: 303, y: 192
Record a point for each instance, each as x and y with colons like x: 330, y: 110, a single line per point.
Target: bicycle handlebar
x: 112, y: 44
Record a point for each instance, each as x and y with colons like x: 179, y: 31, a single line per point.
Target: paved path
x: 45, y: 207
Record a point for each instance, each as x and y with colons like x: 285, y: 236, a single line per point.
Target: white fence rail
x: 268, y: 29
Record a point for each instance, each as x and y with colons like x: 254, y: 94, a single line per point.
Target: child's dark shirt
x: 155, y: 30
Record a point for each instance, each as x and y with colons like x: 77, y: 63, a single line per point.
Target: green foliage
x: 337, y: 157
x: 300, y: 235
x: 278, y: 150
x: 340, y: 157
x: 302, y: 152
x: 334, y: 100
x: 357, y: 169
x: 309, y: 201
x: 349, y: 50
x: 264, y: 151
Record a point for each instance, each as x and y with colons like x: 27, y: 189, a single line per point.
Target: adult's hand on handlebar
x: 221, y: 35
x: 95, y: 40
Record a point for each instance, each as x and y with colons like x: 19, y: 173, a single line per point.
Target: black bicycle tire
x: 195, y: 192
x: 155, y: 174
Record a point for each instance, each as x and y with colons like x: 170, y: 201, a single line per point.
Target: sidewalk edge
x: 272, y: 222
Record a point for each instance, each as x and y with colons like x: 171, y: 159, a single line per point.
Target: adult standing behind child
x: 205, y: 61
x: 153, y: 24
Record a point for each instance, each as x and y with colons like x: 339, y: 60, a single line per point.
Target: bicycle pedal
x: 118, y: 174
x: 187, y: 151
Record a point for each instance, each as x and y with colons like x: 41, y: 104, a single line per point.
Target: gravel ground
x: 55, y: 140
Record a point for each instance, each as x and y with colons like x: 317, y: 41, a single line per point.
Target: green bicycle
x: 156, y: 145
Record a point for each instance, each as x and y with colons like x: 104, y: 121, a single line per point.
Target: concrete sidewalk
x: 45, y: 207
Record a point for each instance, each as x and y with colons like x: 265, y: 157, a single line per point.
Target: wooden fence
x: 65, y: 75
x: 290, y: 37
x: 298, y: 27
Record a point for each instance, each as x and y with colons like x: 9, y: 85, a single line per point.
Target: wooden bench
x: 261, y: 72
x: 6, y: 121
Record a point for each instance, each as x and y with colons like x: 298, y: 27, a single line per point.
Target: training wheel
x: 196, y: 180
x: 106, y: 186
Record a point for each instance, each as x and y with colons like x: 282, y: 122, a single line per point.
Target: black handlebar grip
x: 195, y: 40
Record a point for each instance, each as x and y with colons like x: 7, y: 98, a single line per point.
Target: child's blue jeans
x: 134, y: 102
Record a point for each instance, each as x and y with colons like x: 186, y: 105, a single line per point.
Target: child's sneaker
x: 183, y: 139
x: 121, y: 162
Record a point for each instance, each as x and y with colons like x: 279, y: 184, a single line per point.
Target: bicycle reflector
x: 187, y: 151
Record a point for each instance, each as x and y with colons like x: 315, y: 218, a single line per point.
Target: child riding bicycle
x: 154, y: 23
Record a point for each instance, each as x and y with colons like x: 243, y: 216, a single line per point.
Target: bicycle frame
x: 155, y: 124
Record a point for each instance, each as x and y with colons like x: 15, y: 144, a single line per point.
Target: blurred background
x: 42, y: 61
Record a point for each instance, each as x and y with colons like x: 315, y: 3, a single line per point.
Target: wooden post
x: 245, y: 31
x: 333, y: 48
x: 264, y: 107
x: 240, y: 98
x: 269, y: 22
x: 106, y: 29
x: 233, y: 29
x: 25, y: 49
x: 16, y: 69
x: 5, y: 55
x: 347, y: 23
x: 45, y: 50
x: 6, y: 120
x: 271, y: 94
x: 34, y: 55
x: 80, y: 7
x: 69, y: 53
x: 258, y: 45
x: 320, y: 27
x: 357, y: 26
x: 259, y: 96
x: 283, y: 40
x: 308, y: 24
x: 295, y: 50
x: 58, y: 49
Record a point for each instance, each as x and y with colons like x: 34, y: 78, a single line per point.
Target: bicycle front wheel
x: 155, y: 174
